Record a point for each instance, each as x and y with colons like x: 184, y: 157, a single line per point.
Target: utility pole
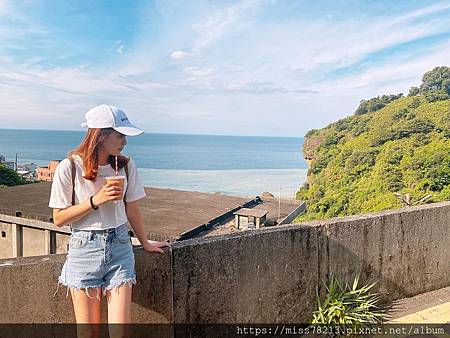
x: 279, y: 205
x: 16, y: 162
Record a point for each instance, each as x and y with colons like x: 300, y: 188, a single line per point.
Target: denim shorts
x: 101, y: 259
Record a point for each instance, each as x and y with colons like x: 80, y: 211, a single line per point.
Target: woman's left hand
x: 153, y: 246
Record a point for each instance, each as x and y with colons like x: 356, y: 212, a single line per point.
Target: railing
x: 18, y: 224
x: 26, y: 214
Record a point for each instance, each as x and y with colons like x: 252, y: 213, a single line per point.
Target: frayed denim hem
x: 86, y: 289
x: 129, y: 281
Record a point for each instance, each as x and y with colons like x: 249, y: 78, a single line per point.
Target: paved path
x: 431, y: 307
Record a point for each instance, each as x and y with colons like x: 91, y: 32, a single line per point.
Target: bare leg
x: 119, y: 310
x: 87, y: 311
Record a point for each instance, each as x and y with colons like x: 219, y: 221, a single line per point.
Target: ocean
x: 232, y: 165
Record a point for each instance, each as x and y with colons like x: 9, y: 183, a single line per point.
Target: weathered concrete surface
x: 154, y: 290
x: 29, y: 284
x: 272, y: 274
x: 406, y: 251
x: 5, y: 240
x: 268, y: 275
x: 260, y: 276
x: 33, y: 242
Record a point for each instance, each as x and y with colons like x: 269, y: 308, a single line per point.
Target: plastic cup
x: 120, y: 180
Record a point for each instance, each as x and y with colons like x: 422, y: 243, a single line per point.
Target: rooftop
x: 251, y: 212
x: 167, y: 213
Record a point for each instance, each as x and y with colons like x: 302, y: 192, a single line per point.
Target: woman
x: 100, y: 256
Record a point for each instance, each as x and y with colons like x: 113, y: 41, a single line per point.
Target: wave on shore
x: 238, y: 182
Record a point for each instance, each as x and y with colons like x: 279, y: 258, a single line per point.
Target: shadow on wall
x: 272, y: 274
x: 265, y: 276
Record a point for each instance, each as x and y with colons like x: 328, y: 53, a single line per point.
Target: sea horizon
x: 158, y: 133
x: 227, y: 164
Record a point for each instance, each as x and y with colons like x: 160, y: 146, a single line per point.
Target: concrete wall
x: 5, y: 242
x: 255, y: 276
x: 272, y: 274
x: 267, y: 275
x: 293, y: 215
x: 27, y: 237
x: 29, y: 284
x: 33, y: 242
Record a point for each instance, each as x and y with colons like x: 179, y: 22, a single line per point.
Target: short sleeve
x: 61, y: 193
x: 135, y: 189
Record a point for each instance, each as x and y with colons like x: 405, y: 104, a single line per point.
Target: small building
x: 246, y: 218
x: 47, y: 173
x: 29, y: 175
x: 27, y: 167
x: 2, y: 159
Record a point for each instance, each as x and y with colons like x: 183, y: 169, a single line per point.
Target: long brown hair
x: 88, y: 151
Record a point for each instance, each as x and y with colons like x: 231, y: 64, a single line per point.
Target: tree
x: 362, y: 108
x: 9, y: 177
x: 375, y: 103
x: 403, y: 148
x: 414, y: 103
x: 413, y: 91
x: 436, y: 84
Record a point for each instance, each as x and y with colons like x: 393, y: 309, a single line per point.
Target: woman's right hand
x: 109, y: 192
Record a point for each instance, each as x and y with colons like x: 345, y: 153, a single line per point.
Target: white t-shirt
x: 108, y: 215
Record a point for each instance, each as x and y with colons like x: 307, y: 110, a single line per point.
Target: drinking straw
x: 117, y: 168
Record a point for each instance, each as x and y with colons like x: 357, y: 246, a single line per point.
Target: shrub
x: 350, y: 307
x: 9, y: 177
x: 438, y: 178
x: 331, y: 139
x: 413, y: 91
x: 414, y: 103
x: 320, y: 163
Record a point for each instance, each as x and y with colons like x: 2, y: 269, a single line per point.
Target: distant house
x: 47, y: 173
x: 27, y: 167
x: 30, y: 175
x: 250, y: 218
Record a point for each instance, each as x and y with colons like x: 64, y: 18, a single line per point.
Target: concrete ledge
x: 34, y: 223
x: 29, y: 284
x: 267, y: 275
x: 293, y: 215
x: 259, y: 276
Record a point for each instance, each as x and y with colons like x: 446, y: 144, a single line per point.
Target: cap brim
x: 129, y: 131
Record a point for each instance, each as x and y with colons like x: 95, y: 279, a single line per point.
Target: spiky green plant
x: 350, y: 308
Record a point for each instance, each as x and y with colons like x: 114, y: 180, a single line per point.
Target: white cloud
x: 227, y: 68
x: 260, y: 87
x: 439, y: 7
x: 177, y: 55
x: 221, y: 21
x: 197, y: 72
x: 4, y: 8
x: 396, y: 74
x: 119, y: 49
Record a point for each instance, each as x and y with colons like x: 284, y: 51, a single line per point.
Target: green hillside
x: 392, y: 144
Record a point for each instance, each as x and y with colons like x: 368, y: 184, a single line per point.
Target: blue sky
x: 255, y: 67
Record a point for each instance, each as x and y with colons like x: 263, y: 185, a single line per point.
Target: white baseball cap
x: 105, y: 116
